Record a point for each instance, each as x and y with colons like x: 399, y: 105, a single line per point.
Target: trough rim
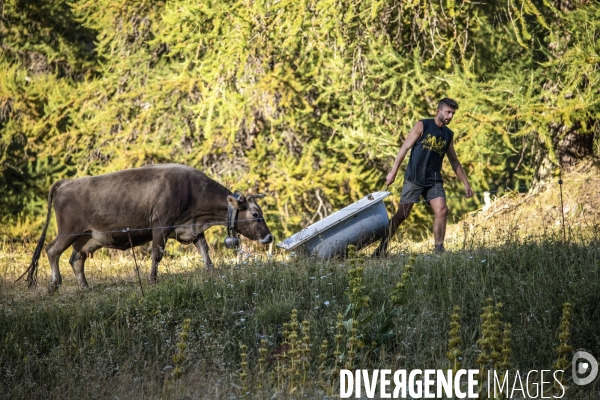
x: 377, y: 198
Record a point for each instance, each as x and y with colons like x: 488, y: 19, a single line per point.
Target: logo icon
x: 584, y: 363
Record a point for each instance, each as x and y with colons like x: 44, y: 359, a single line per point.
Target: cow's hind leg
x: 54, y: 249
x: 77, y: 261
x: 82, y: 247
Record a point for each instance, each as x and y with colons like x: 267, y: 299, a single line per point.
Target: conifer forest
x: 306, y: 101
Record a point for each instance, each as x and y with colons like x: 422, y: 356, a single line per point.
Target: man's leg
x: 439, y: 223
x: 402, y: 213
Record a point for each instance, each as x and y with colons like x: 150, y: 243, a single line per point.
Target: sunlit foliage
x: 307, y: 101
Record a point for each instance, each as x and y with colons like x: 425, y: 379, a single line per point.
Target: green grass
x: 111, y: 342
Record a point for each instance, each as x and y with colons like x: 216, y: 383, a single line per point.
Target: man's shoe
x: 379, y: 254
x: 439, y: 248
x: 381, y: 251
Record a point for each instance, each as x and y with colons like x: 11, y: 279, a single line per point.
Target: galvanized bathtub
x: 360, y: 224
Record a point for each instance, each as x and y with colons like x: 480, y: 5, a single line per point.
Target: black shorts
x: 411, y: 192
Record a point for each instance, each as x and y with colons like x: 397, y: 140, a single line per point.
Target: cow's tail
x: 33, y: 267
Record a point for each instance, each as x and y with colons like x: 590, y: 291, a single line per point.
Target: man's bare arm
x: 414, y: 135
x: 458, y: 169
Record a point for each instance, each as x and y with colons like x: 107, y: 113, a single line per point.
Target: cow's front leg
x: 202, y: 247
x: 159, y: 239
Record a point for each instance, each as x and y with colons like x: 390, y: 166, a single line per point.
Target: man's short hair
x: 448, y: 103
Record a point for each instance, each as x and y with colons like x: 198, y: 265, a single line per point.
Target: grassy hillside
x: 110, y: 341
x: 538, y: 212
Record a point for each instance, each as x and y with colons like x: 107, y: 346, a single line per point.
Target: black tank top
x: 425, y: 163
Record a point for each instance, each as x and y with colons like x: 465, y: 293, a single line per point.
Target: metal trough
x: 360, y: 224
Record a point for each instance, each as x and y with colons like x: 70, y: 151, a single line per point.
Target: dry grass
x: 109, y: 341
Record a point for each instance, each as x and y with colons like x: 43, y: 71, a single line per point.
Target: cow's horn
x: 260, y: 196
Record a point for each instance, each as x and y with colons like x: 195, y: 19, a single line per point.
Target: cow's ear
x: 233, y: 202
x: 254, y: 197
x: 238, y: 203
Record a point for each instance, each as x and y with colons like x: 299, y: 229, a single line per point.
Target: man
x: 430, y: 140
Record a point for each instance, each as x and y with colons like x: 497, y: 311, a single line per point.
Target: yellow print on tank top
x: 436, y: 144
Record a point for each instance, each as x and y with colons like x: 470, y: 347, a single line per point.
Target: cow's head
x: 250, y: 221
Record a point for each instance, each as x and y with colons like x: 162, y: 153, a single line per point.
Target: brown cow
x: 141, y: 205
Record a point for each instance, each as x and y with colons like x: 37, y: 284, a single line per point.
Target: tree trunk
x: 573, y: 145
x: 570, y: 147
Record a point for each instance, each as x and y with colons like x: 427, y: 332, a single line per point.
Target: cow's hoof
x: 53, y: 287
